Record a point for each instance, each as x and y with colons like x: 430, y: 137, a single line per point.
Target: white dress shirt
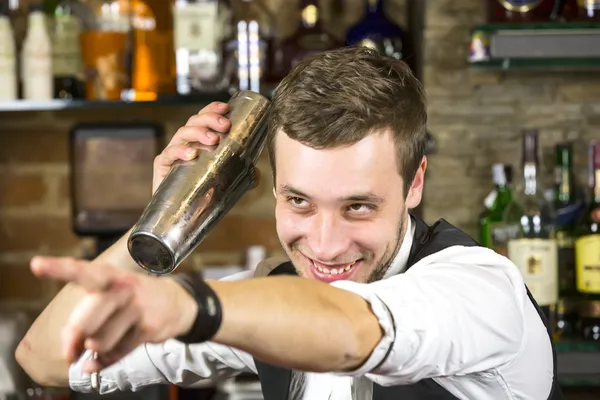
x: 460, y: 316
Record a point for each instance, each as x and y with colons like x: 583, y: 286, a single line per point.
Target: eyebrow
x: 361, y: 197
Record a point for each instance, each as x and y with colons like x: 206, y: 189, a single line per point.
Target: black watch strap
x: 208, y: 319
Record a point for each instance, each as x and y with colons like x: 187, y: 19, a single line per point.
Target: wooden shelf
x: 57, y: 105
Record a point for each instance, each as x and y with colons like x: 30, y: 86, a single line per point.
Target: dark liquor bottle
x: 567, y: 211
x: 534, y: 249
x: 587, y: 242
x: 376, y: 31
x: 311, y: 38
x: 490, y: 222
x: 522, y: 10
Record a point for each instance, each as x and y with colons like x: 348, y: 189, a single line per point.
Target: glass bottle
x: 534, y: 249
x: 106, y: 48
x: 587, y: 233
x: 150, y: 50
x: 248, y: 50
x: 590, y: 320
x: 311, y: 38
x: 520, y: 11
x: 490, y: 222
x: 567, y: 209
x: 37, y: 57
x: 69, y: 18
x: 378, y: 32
x: 8, y: 57
x: 200, y: 28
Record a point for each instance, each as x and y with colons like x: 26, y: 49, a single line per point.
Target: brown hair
x: 339, y: 97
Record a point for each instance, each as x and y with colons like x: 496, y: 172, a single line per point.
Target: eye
x: 297, y: 202
x: 359, y: 208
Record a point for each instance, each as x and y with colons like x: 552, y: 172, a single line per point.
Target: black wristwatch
x: 208, y: 319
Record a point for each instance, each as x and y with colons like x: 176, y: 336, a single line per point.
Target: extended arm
x: 297, y: 323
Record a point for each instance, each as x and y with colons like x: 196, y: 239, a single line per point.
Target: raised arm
x: 39, y: 353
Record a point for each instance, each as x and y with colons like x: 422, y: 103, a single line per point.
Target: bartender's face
x: 341, y: 212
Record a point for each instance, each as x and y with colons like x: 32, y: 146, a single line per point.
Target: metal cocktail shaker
x: 196, y: 194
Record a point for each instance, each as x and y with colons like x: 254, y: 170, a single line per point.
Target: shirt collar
x: 399, y: 263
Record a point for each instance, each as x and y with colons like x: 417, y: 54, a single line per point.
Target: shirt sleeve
x: 186, y: 365
x: 444, y: 318
x: 168, y: 362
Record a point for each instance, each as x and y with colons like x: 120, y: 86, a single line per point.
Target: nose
x: 327, y: 237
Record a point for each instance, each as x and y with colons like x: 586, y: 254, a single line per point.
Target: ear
x: 415, y: 193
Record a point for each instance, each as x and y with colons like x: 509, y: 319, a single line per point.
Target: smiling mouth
x: 332, y: 270
x: 331, y: 273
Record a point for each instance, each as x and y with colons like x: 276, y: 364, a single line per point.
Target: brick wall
x: 475, y: 117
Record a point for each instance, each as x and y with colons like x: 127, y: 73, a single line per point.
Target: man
x: 391, y: 308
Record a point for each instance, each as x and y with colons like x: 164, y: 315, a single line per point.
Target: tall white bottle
x: 8, y: 58
x: 37, y: 57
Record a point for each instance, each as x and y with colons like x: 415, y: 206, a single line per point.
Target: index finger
x: 71, y: 270
x: 215, y: 106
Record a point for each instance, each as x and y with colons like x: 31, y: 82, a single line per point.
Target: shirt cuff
x: 386, y: 322
x: 128, y: 374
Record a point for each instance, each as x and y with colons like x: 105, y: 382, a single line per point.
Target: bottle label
x: 587, y: 263
x: 500, y: 235
x: 537, y: 261
x: 196, y: 27
x: 66, y: 54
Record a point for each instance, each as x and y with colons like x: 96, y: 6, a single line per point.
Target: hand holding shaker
x: 196, y: 194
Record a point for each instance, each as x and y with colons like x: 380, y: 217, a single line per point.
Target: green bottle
x: 567, y: 209
x: 490, y: 222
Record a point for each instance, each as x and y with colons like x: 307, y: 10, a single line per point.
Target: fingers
x: 200, y: 128
x: 132, y: 339
x: 95, y: 311
x: 110, y: 334
x: 71, y: 270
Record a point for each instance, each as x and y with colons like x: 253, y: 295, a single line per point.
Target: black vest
x: 275, y: 381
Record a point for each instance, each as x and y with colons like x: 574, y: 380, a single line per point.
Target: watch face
x: 111, y: 177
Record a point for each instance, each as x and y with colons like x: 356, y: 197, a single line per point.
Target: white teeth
x: 334, y: 271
